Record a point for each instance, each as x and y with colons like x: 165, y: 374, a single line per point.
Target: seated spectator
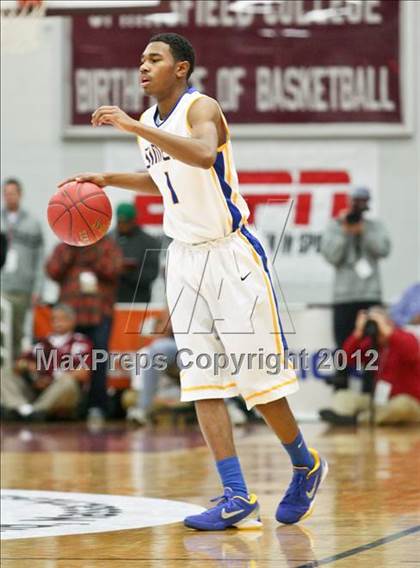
x: 396, y: 382
x: 140, y: 267
x: 407, y: 310
x: 49, y: 380
x: 149, y: 378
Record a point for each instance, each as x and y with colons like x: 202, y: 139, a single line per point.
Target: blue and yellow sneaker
x: 299, y: 499
x: 231, y: 511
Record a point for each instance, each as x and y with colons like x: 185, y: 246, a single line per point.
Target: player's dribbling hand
x: 113, y: 116
x: 97, y: 179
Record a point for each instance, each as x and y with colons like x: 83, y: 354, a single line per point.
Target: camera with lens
x: 359, y: 204
x: 371, y: 329
x: 353, y: 217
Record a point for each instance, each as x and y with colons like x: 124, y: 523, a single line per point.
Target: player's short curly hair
x: 180, y: 47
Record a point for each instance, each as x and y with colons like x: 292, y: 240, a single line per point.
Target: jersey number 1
x: 171, y: 189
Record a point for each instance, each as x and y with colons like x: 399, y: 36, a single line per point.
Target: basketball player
x: 219, y: 287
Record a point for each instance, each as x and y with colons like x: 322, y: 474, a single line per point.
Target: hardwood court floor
x: 366, y: 514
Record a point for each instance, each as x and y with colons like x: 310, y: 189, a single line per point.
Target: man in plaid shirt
x: 88, y: 279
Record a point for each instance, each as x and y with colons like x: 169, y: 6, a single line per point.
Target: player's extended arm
x: 200, y: 150
x: 141, y: 182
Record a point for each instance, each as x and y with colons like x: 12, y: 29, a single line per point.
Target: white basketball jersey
x: 199, y: 205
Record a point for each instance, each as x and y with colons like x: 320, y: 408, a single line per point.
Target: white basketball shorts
x: 225, y: 321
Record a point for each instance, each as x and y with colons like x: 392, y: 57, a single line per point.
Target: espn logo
x: 150, y: 210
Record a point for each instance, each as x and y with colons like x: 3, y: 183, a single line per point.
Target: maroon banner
x: 294, y: 62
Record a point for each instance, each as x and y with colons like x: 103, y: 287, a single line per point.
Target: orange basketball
x: 79, y: 213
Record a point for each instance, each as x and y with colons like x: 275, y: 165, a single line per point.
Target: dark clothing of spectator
x: 3, y: 249
x: 141, y: 265
x: 99, y: 335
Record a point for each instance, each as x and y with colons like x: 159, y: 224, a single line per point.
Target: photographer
x: 354, y: 245
x: 396, y: 380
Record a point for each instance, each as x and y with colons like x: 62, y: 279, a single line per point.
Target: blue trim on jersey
x: 171, y: 189
x: 219, y: 168
x: 255, y: 243
x: 156, y: 113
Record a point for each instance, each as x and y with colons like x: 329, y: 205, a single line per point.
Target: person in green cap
x: 135, y: 286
